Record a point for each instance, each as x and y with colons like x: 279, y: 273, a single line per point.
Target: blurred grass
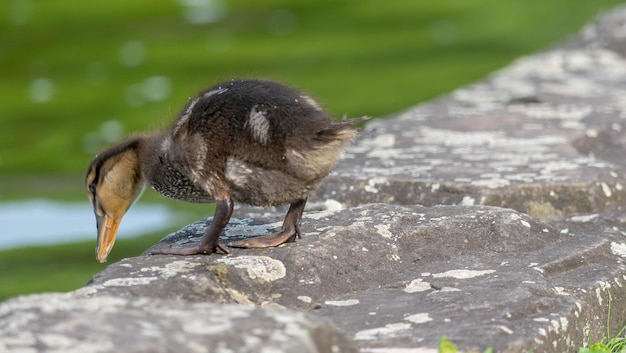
x: 76, y: 76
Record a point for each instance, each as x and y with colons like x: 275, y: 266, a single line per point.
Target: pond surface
x: 44, y: 222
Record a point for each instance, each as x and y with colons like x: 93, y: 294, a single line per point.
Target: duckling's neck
x: 149, y: 152
x: 152, y: 159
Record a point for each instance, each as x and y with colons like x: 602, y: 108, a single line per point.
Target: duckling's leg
x: 209, y: 243
x: 289, y: 231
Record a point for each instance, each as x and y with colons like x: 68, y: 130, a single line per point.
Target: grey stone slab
x: 400, y: 277
x: 543, y: 136
x: 73, y: 323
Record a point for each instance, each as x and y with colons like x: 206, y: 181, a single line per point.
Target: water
x: 44, y: 222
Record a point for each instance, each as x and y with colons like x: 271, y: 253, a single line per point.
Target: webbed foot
x: 267, y: 241
x: 209, y: 243
x: 290, y: 230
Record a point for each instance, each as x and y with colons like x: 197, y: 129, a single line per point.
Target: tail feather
x: 340, y: 130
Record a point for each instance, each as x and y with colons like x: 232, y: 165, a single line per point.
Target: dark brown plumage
x: 252, y: 141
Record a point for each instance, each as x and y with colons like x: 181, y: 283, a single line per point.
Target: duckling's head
x: 113, y: 182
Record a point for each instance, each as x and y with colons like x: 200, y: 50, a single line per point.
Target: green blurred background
x: 76, y: 76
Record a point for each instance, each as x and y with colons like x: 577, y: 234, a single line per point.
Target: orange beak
x: 107, y: 230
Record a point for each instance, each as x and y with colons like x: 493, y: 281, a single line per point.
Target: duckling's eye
x: 92, y: 187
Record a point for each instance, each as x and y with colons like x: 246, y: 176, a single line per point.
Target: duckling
x: 252, y: 141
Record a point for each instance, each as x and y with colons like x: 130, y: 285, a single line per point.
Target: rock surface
x: 72, y: 323
x: 394, y: 277
x: 494, y: 216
